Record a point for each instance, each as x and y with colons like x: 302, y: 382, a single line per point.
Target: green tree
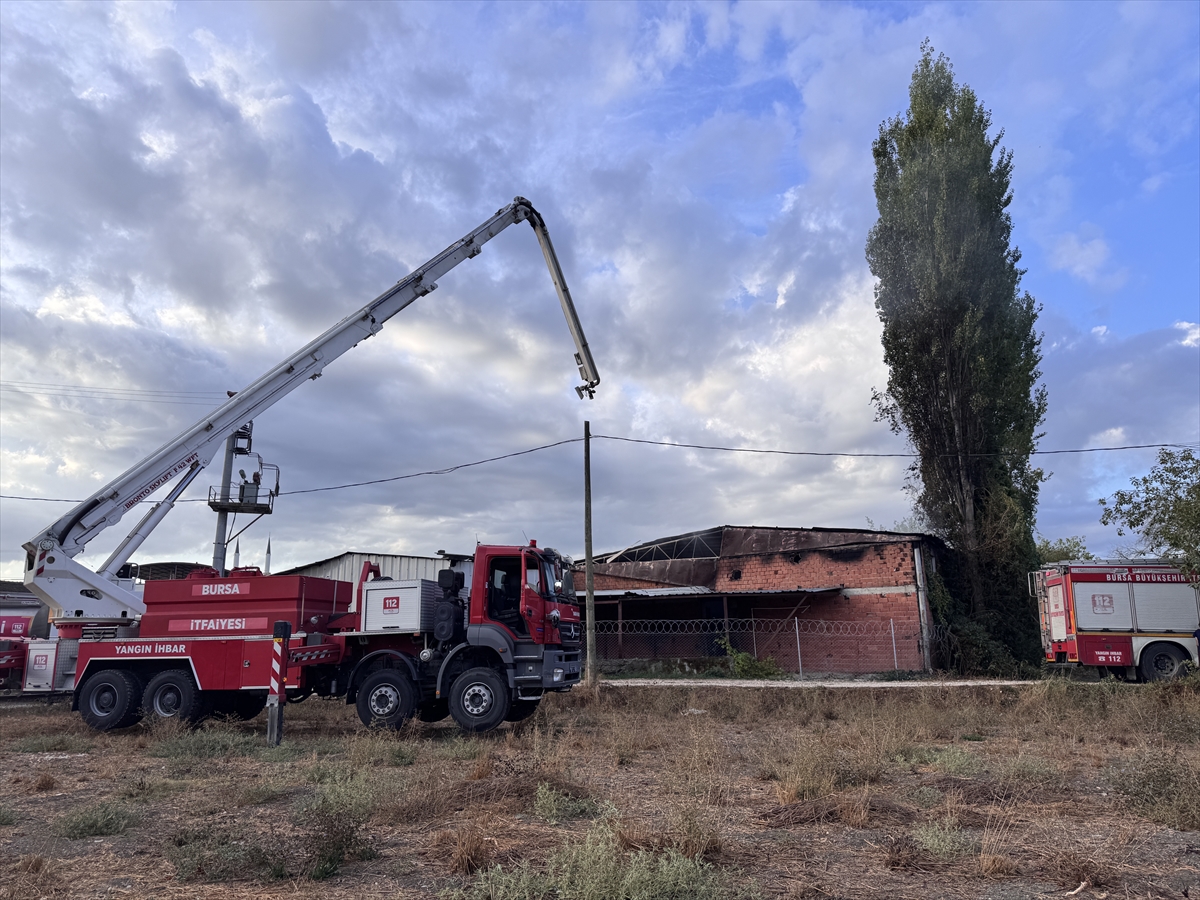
x: 1163, y: 508
x: 1062, y: 549
x: 959, y: 340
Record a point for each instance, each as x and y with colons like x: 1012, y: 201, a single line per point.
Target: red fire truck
x: 205, y: 643
x: 1131, y: 620
x: 394, y: 648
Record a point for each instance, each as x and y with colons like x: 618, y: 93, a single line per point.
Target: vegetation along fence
x: 796, y: 644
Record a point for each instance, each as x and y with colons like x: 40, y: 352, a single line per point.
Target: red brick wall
x: 874, y: 566
x: 865, y: 566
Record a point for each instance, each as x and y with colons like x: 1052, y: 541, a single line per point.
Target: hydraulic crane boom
x: 72, y: 589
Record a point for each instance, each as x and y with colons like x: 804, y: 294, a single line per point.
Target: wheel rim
x: 104, y: 700
x: 384, y: 700
x: 477, y: 699
x: 167, y: 701
x: 1164, y: 664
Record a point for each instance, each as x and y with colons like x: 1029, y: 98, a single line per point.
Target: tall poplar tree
x: 959, y: 340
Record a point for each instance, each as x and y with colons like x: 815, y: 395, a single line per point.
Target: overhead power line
x: 608, y: 437
x: 629, y: 440
x: 133, y: 395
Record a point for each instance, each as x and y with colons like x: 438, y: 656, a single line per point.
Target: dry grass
x: 753, y: 793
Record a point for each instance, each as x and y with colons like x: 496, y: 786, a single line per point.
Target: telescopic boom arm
x: 68, y: 586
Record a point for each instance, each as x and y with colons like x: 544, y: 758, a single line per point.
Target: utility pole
x: 587, y: 550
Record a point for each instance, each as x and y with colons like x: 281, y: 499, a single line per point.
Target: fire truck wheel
x: 522, y: 709
x: 173, y: 695
x: 479, y: 699
x: 1162, y: 661
x: 433, y: 711
x: 109, y: 700
x: 386, y: 698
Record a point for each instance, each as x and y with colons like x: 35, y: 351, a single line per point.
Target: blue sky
x: 190, y: 191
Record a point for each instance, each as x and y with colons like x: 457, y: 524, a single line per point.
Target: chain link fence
x: 795, y: 644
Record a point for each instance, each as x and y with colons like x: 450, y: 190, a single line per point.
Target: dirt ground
x: 1043, y: 789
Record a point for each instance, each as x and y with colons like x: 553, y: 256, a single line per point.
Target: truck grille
x: 569, y: 632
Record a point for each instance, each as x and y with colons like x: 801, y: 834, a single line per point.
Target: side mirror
x: 558, y: 587
x: 451, y: 580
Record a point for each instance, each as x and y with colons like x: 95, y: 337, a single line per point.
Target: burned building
x: 815, y: 599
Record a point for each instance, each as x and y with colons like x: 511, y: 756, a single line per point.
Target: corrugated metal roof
x: 691, y: 591
x: 654, y: 592
x: 348, y: 566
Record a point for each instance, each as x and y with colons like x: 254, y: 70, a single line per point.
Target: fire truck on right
x: 1134, y: 620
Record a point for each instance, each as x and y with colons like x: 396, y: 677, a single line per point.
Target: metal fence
x: 795, y: 644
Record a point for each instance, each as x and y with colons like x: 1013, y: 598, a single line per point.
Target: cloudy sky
x: 190, y: 191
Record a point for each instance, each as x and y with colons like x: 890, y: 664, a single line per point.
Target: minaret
x: 237, y: 553
x: 267, y: 565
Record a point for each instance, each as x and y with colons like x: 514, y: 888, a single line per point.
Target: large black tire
x: 479, y: 700
x: 433, y: 711
x: 110, y: 699
x: 522, y: 710
x: 1162, y: 661
x: 174, y: 695
x: 387, y: 698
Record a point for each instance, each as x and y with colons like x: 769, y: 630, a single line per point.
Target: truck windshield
x: 558, y: 572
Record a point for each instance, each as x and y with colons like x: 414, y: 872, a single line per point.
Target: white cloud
x: 1191, y: 333
x: 1085, y: 256
x: 188, y: 195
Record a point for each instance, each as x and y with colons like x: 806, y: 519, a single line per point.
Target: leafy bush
x: 744, y: 665
x: 96, y: 820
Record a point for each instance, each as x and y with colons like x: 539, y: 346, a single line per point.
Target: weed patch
x: 53, y: 743
x: 458, y: 748
x: 206, y: 743
x: 1162, y: 787
x: 330, y: 823
x: 146, y: 789
x: 944, y: 840
x: 1033, y: 770
x: 379, y: 748
x: 553, y: 805
x: 223, y: 854
x: 951, y: 760
x: 816, y: 768
x: 596, y: 868
x: 96, y: 820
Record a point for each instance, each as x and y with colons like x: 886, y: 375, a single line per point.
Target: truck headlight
x: 558, y: 675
